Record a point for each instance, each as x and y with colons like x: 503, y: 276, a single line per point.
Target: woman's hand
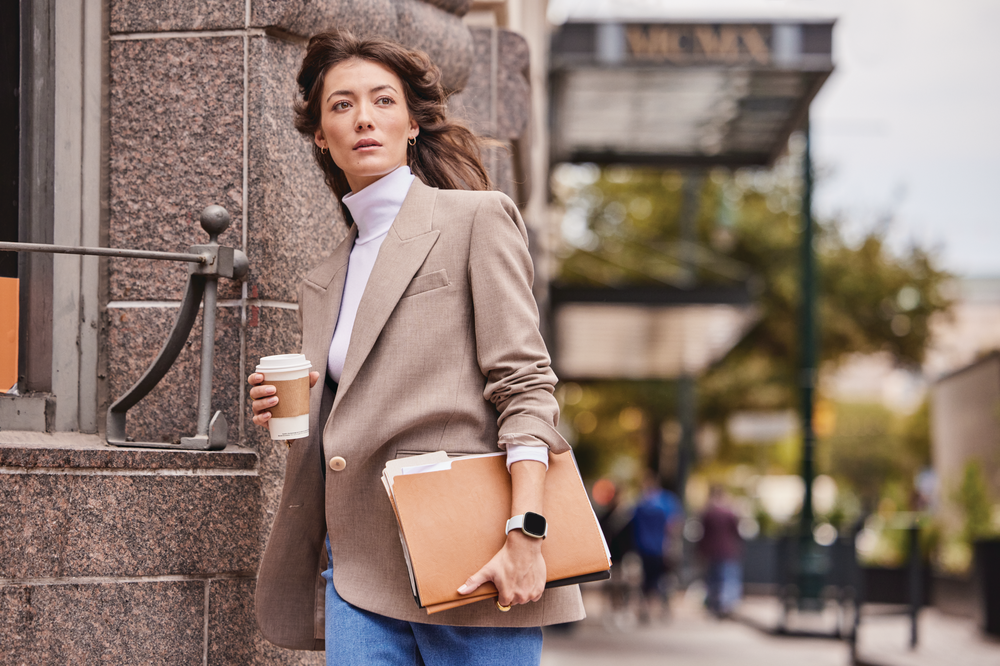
x: 518, y: 569
x: 264, y: 398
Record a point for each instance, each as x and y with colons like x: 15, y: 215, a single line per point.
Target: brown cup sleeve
x: 293, y: 397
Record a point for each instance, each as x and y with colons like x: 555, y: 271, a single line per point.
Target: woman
x: 425, y: 327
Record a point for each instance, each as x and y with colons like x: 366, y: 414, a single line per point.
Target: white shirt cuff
x: 519, y: 449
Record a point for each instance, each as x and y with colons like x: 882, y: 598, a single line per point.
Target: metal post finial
x: 215, y: 220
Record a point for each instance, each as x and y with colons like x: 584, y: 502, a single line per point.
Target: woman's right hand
x: 264, y: 398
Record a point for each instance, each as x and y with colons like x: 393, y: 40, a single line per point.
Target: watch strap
x: 515, y: 523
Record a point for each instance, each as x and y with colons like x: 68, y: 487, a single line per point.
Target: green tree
x: 622, y: 227
x: 869, y: 450
x: 972, y: 495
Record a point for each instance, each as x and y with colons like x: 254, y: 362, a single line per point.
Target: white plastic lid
x: 283, y: 363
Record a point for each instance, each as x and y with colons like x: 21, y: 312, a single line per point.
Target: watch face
x: 534, y: 524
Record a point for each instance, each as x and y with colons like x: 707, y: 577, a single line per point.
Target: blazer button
x: 337, y: 463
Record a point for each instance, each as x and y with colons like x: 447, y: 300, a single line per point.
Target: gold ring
x: 502, y: 608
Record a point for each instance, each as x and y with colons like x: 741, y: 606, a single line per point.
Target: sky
x: 906, y: 131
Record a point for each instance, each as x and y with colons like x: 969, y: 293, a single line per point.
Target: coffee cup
x: 289, y: 375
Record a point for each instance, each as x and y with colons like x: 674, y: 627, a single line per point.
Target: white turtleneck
x: 373, y: 209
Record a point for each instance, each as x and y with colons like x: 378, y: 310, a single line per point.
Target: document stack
x: 451, y: 514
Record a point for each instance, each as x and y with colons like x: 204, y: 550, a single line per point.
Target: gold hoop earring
x: 412, y: 141
x: 322, y: 151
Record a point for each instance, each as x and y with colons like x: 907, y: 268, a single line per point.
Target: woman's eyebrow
x: 346, y: 93
x: 350, y: 93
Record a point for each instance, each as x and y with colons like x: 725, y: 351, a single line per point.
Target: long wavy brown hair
x: 446, y: 154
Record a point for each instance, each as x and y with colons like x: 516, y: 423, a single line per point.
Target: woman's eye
x: 340, y: 106
x: 385, y: 101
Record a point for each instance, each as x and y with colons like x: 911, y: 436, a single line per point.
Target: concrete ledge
x: 34, y: 411
x: 71, y: 450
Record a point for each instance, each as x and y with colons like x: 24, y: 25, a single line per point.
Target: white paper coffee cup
x: 289, y: 375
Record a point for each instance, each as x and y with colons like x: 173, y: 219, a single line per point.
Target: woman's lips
x: 367, y: 143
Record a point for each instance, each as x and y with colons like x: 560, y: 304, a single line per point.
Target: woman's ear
x: 320, y: 139
x: 414, y: 127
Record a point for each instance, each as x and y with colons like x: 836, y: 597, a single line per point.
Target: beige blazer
x: 445, y: 354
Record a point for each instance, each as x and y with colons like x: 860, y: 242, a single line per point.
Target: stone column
x: 149, y: 556
x: 496, y: 103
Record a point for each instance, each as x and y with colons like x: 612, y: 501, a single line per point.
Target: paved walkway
x: 942, y: 640
x: 690, y: 637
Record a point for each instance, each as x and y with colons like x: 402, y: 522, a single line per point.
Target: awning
x: 675, y: 94
x: 646, y: 333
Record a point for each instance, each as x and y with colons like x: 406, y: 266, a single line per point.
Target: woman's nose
x: 364, y: 119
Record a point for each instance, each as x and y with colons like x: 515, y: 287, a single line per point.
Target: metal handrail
x: 206, y: 263
x: 104, y: 252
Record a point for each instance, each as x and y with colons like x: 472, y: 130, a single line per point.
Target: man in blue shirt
x: 656, y: 515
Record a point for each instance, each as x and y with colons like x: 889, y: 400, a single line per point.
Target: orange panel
x: 8, y: 333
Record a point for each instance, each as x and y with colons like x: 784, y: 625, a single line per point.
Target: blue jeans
x: 359, y: 637
x: 724, y: 580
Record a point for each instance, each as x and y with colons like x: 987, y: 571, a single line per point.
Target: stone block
x: 499, y: 162
x: 456, y: 7
x: 233, y: 637
x: 293, y: 217
x: 232, y: 624
x: 475, y: 103
x: 414, y: 23
x: 442, y: 36
x: 108, y: 623
x: 175, y: 146
x: 154, y: 16
x: 308, y: 17
x: 497, y: 100
x: 125, y: 524
x: 170, y: 410
x: 513, y: 85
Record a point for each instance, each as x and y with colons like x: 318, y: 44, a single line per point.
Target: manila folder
x: 453, y: 523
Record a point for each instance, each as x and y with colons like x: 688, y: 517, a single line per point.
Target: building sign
x: 726, y: 44
x: 683, y: 94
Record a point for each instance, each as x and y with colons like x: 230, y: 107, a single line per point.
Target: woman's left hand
x: 518, y: 571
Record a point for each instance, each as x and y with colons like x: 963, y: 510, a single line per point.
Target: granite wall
x: 146, y: 556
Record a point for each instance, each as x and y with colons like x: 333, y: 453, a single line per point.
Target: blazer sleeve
x: 509, y: 346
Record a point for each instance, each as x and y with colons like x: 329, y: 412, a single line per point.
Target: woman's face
x: 365, y: 122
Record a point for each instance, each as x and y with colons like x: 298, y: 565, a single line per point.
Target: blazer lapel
x: 403, y: 251
x: 323, y: 289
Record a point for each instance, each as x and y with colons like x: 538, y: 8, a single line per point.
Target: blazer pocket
x: 426, y: 282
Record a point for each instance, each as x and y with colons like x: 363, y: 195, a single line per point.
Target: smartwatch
x: 532, y: 524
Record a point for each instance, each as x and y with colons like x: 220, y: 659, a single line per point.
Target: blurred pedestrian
x: 721, y: 546
x: 657, y: 515
x: 622, y: 589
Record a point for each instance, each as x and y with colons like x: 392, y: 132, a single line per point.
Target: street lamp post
x: 811, y: 565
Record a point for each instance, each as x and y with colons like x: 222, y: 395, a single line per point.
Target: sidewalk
x: 884, y: 639
x: 941, y: 640
x: 690, y: 637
